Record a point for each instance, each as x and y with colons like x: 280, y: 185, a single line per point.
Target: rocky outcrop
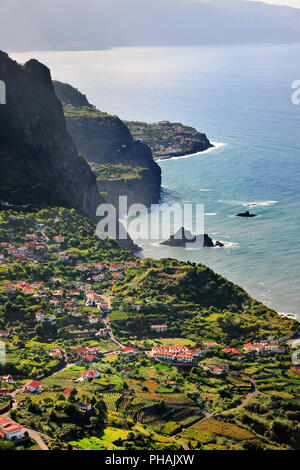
x: 246, y: 214
x: 182, y: 237
x: 39, y: 162
x: 105, y: 139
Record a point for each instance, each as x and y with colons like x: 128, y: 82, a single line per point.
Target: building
x: 93, y: 320
x: 103, y: 333
x: 103, y: 307
x: 32, y: 387
x: 63, y: 257
x: 159, y: 328
x: 100, y: 267
x: 11, y: 431
x: 114, y: 268
x: 41, y: 317
x: 4, y: 334
x: 86, y: 407
x: 118, y: 276
x: 90, y: 374
x: 92, y: 299
x: 127, y: 351
x: 59, y: 239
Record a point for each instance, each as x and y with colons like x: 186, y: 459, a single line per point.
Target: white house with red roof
x: 86, y: 407
x: 115, y: 268
x: 10, y: 431
x: 4, y: 334
x: 63, y: 257
x: 90, y: 374
x: 93, y: 320
x: 32, y: 387
x: 118, y: 276
x: 127, y: 350
x: 59, y: 239
x: 100, y: 267
x: 99, y: 278
x: 159, y: 328
x: 92, y: 299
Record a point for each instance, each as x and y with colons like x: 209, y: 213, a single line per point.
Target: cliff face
x: 39, y: 162
x: 105, y: 139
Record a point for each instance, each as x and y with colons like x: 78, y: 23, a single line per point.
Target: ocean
x: 240, y: 96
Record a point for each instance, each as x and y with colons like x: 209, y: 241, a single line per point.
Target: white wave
x: 227, y: 244
x: 210, y: 213
x: 216, y: 146
x: 263, y: 203
x: 289, y: 315
x: 204, y: 190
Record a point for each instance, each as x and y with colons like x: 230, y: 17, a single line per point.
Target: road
x: 106, y: 299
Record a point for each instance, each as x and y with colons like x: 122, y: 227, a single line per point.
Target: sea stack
x: 246, y: 214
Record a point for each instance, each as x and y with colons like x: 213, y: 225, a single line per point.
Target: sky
x: 291, y: 3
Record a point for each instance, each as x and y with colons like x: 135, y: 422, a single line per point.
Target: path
x: 106, y: 321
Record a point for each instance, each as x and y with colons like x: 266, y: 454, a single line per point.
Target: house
x: 127, y: 351
x: 115, y: 268
x: 86, y: 407
x: 99, y: 278
x: 81, y: 352
x: 59, y: 239
x: 231, y: 351
x: 274, y: 349
x: 63, y: 257
x: 103, y: 307
x: 4, y: 334
x: 249, y: 347
x: 56, y: 354
x: 132, y: 265
x: 159, y: 328
x: 90, y: 358
x: 103, y: 333
x: 67, y: 392
x: 216, y: 371
x: 184, y: 358
x: 11, y: 431
x: 92, y: 299
x: 210, y: 344
x: 32, y: 387
x: 100, y: 267
x: 81, y: 268
x: 93, y: 320
x: 118, y: 276
x: 90, y: 374
x: 127, y: 371
x: 41, y: 317
x: 8, y: 379
x: 1, y: 256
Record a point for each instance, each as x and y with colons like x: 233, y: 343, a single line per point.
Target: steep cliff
x: 39, y: 162
x: 105, y: 139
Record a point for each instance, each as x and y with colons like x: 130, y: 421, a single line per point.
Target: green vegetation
x: 135, y: 402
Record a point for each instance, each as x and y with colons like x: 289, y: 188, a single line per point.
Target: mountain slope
x: 105, y: 139
x: 39, y: 162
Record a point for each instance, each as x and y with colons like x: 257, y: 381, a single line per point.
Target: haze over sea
x: 239, y: 96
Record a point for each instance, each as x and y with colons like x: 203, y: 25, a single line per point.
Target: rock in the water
x: 182, y: 237
x: 246, y: 214
x: 219, y: 244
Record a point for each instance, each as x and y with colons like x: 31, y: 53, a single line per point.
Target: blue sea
x: 240, y: 96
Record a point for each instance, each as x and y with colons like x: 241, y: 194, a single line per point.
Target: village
x: 96, y: 356
x: 168, y: 139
